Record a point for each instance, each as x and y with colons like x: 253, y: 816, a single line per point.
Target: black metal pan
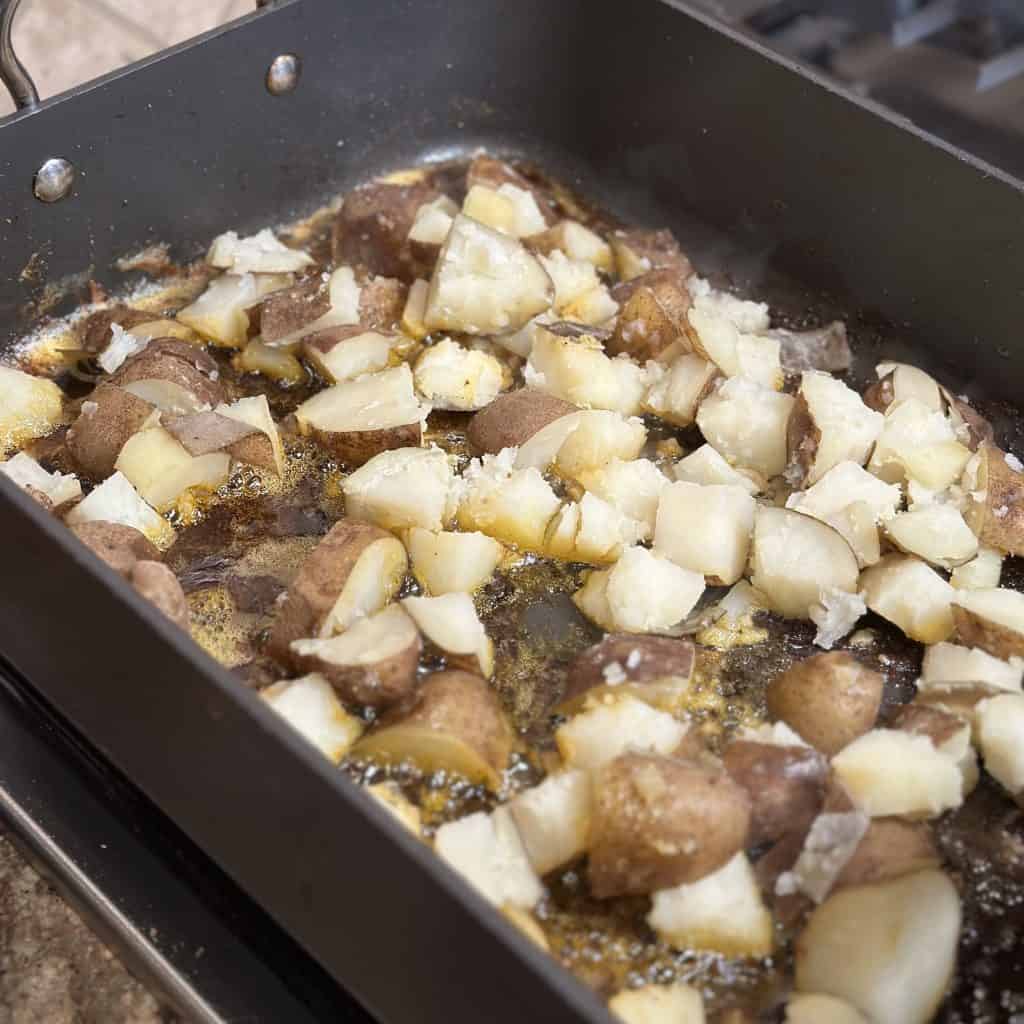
x: 811, y: 197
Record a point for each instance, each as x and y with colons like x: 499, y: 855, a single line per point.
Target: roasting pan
x: 769, y: 175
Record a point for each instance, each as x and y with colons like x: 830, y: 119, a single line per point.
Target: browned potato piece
x: 290, y: 309
x: 829, y: 699
x: 203, y: 432
x: 513, y: 418
x: 372, y: 663
x: 957, y: 698
x: 998, y: 517
x: 653, y: 317
x: 158, y: 585
x: 638, y: 250
x: 372, y: 229
x: 891, y: 847
x: 659, y: 822
x: 108, y: 418
x: 382, y: 302
x: 992, y: 619
x: 255, y: 449
x: 94, y: 333
x: 786, y: 785
x: 881, y: 394
x: 176, y: 361
x: 322, y: 580
x: 937, y: 724
x: 118, y: 545
x: 491, y: 173
x: 657, y: 669
x: 453, y: 724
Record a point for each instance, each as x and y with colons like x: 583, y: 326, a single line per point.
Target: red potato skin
x: 513, y: 418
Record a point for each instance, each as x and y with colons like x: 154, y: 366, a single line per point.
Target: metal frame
x: 800, y: 191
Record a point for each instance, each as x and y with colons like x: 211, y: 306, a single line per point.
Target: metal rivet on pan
x: 283, y: 74
x: 54, y: 180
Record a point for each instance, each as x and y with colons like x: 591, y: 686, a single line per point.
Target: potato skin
x: 891, y: 847
x: 372, y: 228
x: 354, y: 447
x: 513, y: 418
x: 786, y: 786
x: 921, y: 720
x: 94, y: 332
x: 290, y: 309
x: 1004, y: 494
x: 492, y: 173
x: 176, y: 361
x: 255, y: 450
x: 378, y: 685
x: 158, y: 585
x: 118, y: 545
x: 829, y: 699
x: 96, y: 438
x: 382, y: 302
x: 974, y: 631
x: 979, y: 431
x: 659, y: 822
x: 658, y: 246
x: 881, y: 394
x: 319, y: 582
x: 802, y: 437
x: 652, y: 317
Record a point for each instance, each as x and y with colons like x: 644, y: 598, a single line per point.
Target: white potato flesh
x: 520, y: 343
x: 814, y: 1009
x: 343, y: 292
x: 747, y: 317
x: 561, y: 537
x: 374, y: 402
x: 776, y: 734
x: 920, y: 443
x: 393, y: 800
x: 122, y: 346
x: 311, y: 707
x: 951, y: 663
x: 117, y: 501
x: 706, y: 528
x: 508, y: 209
x: 600, y: 734
x: 736, y: 352
x: 401, y: 488
x: 487, y: 851
x: 513, y: 506
x: 30, y: 407
x: 592, y: 531
x: 445, y: 562
x: 937, y: 534
x: 835, y: 613
x: 433, y: 221
x: 911, y: 382
x: 796, y: 558
x: 554, y: 819
x: 580, y: 243
x: 220, y: 314
x: 484, y: 282
x: 998, y: 606
x: 369, y: 641
x: 371, y: 584
x: 161, y: 469
x: 759, y: 359
x: 255, y: 412
x: 167, y: 396
x: 541, y: 449
x: 572, y: 278
x: 632, y: 487
x: 910, y: 595
x: 889, y: 771
x: 262, y: 253
x: 722, y: 913
x: 415, y: 310
x: 706, y: 466
x: 450, y: 622
x: 981, y: 573
x: 578, y: 370
x: 595, y: 307
x: 598, y: 437
x: 848, y: 429
x: 888, y: 949
x: 659, y: 1004
x: 747, y: 424
x: 59, y: 488
x: 1001, y: 738
x: 675, y: 396
x: 352, y: 357
x: 452, y: 377
x: 831, y: 841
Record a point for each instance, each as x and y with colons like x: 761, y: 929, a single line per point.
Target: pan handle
x: 12, y: 72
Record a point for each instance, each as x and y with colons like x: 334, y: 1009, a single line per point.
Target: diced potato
x: 747, y: 424
x: 910, y: 595
x: 220, y: 314
x: 57, y: 488
x: 594, y: 307
x: 637, y: 250
x: 706, y: 466
x: 812, y: 1009
x: 830, y: 843
x: 659, y: 1004
x: 676, y: 396
x: 919, y: 443
x: 450, y: 563
x: 747, y: 317
x: 722, y: 913
x: 311, y: 707
x: 899, y: 381
x: 950, y: 663
x: 415, y: 310
x: 584, y: 441
x: 433, y: 221
x: 484, y: 282
x: 526, y: 923
x: 641, y: 593
x: 450, y: 623
x: 255, y: 412
x: 275, y: 363
x: 991, y: 619
x: 401, y: 488
x: 981, y: 573
x: 835, y: 613
x: 345, y: 353
x: 554, y: 819
x: 632, y: 487
x: 888, y: 949
x: 262, y: 253
x: 487, y: 851
x: 577, y: 242
x: 995, y: 509
x: 935, y: 533
x: 392, y: 799
x: 577, y: 370
x: 344, y: 297
x: 572, y: 279
x: 508, y: 209
x: 514, y: 506
x: 592, y: 531
x: 830, y: 425
x: 737, y: 354
x: 796, y: 558
x: 117, y: 501
x: 452, y: 377
x: 600, y: 734
x: 29, y: 407
x: 161, y: 469
x: 706, y: 529
x: 1001, y: 738
x: 889, y: 771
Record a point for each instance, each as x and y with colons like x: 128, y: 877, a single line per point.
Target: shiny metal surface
x: 54, y: 180
x: 283, y: 74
